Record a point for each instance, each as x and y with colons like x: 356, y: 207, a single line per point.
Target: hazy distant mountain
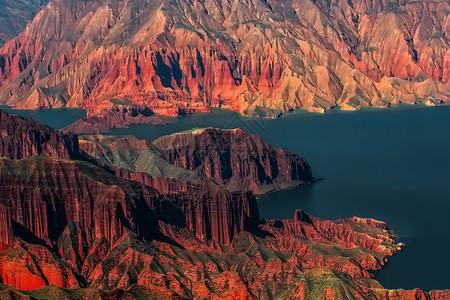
x: 15, y: 15
x: 251, y: 56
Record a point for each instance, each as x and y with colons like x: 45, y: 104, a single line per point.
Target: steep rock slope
x: 304, y: 258
x: 236, y: 159
x: 253, y: 56
x: 74, y: 224
x: 23, y: 137
x: 232, y: 158
x: 135, y: 156
x: 42, y: 195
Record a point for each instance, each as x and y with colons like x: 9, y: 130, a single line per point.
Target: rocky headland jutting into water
x: 103, y: 217
x: 85, y: 214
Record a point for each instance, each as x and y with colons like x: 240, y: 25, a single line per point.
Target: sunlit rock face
x: 236, y: 159
x: 250, y: 56
x: 97, y: 227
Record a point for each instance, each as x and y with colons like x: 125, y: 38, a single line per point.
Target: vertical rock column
x: 5, y: 226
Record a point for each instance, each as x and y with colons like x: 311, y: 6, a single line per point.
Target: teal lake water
x: 56, y: 118
x: 391, y: 164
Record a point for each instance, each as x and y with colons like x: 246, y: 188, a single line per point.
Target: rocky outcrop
x: 72, y: 224
x: 120, y: 116
x: 257, y: 57
x: 236, y: 159
x: 84, y: 226
x: 24, y: 137
x: 140, y: 158
x: 213, y: 213
x: 44, y: 195
x: 232, y: 158
x: 46, y: 201
x: 292, y: 259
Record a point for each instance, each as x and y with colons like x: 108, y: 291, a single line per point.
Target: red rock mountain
x: 251, y: 56
x: 236, y: 159
x: 42, y: 195
x: 23, y: 137
x: 73, y: 224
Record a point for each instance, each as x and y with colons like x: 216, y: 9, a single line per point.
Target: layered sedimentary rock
x: 135, y: 156
x: 232, y: 158
x: 288, y: 259
x: 44, y: 194
x: 55, y: 210
x: 236, y: 159
x: 119, y: 116
x: 74, y: 224
x: 44, y: 201
x: 254, y: 57
x: 24, y: 137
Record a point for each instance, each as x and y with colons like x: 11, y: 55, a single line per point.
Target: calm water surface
x: 56, y: 118
x: 391, y: 165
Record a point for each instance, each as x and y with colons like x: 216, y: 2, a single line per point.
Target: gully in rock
x: 82, y: 214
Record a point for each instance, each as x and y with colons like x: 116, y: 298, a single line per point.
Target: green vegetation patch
x: 118, y: 101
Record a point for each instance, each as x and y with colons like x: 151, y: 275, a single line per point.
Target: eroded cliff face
x: 24, y: 137
x: 83, y: 225
x: 303, y: 258
x: 236, y: 159
x: 43, y: 194
x: 138, y: 157
x: 54, y: 209
x: 252, y: 57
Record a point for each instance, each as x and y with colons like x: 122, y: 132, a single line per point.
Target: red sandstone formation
x: 236, y: 159
x: 74, y: 224
x: 291, y: 259
x: 45, y: 201
x: 43, y: 195
x: 139, y: 160
x: 24, y: 137
x: 116, y: 117
x: 233, y: 158
x: 253, y: 57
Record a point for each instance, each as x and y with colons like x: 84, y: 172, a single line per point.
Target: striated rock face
x: 138, y: 157
x: 232, y: 158
x: 24, y: 137
x: 210, y: 211
x: 252, y: 57
x: 213, y: 213
x: 289, y: 259
x: 45, y: 201
x: 116, y: 117
x: 82, y: 225
x: 236, y: 159
x: 43, y: 195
